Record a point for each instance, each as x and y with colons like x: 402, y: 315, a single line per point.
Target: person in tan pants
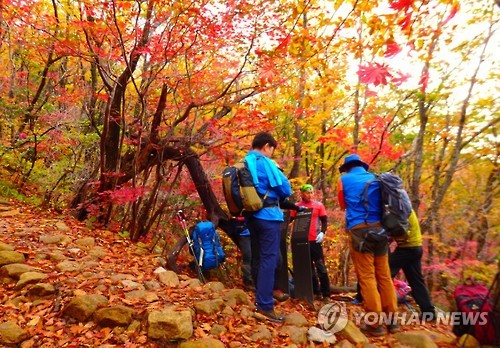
x: 369, y: 244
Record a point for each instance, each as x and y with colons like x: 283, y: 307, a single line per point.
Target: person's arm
x: 286, y: 204
x: 294, y: 208
x: 285, y: 189
x: 324, y: 223
x: 340, y: 194
x: 322, y: 217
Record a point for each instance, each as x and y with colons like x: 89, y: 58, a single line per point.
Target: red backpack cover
x: 474, y: 301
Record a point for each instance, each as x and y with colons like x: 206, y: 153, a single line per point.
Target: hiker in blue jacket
x: 264, y: 225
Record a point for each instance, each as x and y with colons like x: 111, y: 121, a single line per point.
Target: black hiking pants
x: 320, y: 281
x: 410, y: 261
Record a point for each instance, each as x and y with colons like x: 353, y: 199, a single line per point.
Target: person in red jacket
x: 317, y: 230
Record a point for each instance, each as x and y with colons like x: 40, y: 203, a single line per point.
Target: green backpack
x: 239, y: 190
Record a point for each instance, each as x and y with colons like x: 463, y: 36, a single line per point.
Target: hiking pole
x: 182, y: 219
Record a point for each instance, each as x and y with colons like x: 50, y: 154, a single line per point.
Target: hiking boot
x: 270, y: 315
x: 280, y: 295
x: 373, y: 331
x: 393, y: 328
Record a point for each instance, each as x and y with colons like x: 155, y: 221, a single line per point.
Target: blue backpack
x: 207, y: 248
x: 396, y: 205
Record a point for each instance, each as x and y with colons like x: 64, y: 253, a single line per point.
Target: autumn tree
x: 132, y: 109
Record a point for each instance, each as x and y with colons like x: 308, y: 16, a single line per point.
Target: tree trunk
x: 297, y: 146
x: 483, y: 225
x: 204, y: 189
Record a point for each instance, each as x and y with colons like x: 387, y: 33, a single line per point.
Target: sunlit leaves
x: 376, y: 74
x: 392, y: 49
x: 401, y: 5
x: 399, y: 78
x: 267, y: 72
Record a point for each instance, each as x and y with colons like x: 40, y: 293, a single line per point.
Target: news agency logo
x: 332, y: 317
x: 414, y: 318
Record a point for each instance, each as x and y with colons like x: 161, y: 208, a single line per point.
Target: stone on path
x: 11, y: 333
x: 42, y: 290
x: 170, y: 323
x: 10, y: 256
x: 296, y: 319
x: 205, y: 342
x: 82, y: 307
x: 209, y: 307
x: 114, y: 316
x: 169, y: 278
x: 415, y: 339
x: 317, y: 335
x: 29, y: 278
x: 353, y: 333
x: 14, y: 270
x: 6, y: 247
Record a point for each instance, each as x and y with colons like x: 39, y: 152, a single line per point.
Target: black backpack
x: 239, y: 190
x: 396, y: 205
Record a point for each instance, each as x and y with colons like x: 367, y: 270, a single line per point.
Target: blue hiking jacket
x: 357, y: 212
x: 268, y: 177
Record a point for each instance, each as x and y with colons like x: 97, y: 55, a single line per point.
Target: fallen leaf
x: 79, y: 292
x: 34, y: 321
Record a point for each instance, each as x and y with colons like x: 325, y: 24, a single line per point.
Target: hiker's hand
x: 320, y: 237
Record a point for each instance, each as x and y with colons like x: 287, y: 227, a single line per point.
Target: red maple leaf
x: 392, y: 49
x: 284, y: 43
x: 401, y: 5
x: 374, y: 73
x: 398, y: 80
x: 406, y: 21
x: 267, y: 72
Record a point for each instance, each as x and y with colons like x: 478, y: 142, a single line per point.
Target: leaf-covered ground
x: 23, y: 226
